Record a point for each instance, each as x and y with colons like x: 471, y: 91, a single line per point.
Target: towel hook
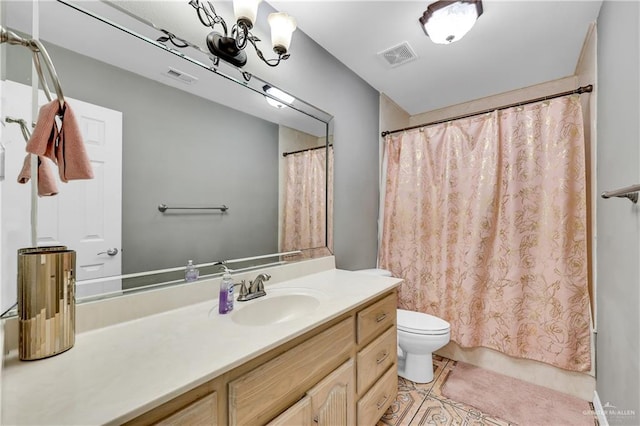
x: 23, y: 126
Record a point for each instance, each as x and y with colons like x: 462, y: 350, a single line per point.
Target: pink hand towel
x: 45, y: 134
x: 64, y: 147
x: 46, y: 181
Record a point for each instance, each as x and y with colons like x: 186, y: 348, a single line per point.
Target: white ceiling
x: 514, y: 44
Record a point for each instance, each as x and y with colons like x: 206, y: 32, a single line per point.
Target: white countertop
x: 116, y: 373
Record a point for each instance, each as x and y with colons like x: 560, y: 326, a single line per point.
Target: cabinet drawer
x: 376, y: 318
x: 259, y: 395
x: 202, y: 412
x: 376, y: 358
x: 374, y: 403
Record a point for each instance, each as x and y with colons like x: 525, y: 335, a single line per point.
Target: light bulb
x: 246, y: 9
x: 282, y: 27
x: 279, y: 94
x: 451, y: 23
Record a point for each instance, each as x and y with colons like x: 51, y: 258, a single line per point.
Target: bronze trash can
x: 46, y: 301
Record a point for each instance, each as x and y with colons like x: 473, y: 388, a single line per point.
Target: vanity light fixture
x: 277, y: 93
x: 230, y: 46
x: 446, y: 21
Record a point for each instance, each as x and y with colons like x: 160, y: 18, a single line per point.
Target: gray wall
x: 618, y: 250
x: 181, y: 149
x: 317, y: 77
x: 313, y: 75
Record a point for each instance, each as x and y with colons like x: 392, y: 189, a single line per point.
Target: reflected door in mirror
x: 86, y: 214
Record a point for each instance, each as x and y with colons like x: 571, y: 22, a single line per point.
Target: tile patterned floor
x: 424, y: 404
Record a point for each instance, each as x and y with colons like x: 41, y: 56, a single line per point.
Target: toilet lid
x: 421, y: 323
x: 376, y: 271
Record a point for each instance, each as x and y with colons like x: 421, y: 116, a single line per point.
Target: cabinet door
x: 259, y: 395
x: 202, y: 412
x: 298, y: 414
x: 332, y: 400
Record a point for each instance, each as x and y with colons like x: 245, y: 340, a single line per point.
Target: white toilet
x: 419, y: 335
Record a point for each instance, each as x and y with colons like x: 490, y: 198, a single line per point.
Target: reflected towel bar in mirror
x: 163, y: 208
x: 39, y: 52
x: 630, y: 192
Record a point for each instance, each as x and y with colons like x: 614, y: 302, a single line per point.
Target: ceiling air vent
x: 181, y: 76
x: 398, y: 55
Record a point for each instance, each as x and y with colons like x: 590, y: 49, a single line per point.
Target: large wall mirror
x: 243, y: 181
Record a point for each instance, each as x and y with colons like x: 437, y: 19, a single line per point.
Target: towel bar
x: 630, y: 192
x: 163, y: 208
x: 39, y: 52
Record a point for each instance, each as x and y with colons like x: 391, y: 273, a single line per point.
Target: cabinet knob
x: 382, y: 358
x: 381, y: 403
x: 381, y: 317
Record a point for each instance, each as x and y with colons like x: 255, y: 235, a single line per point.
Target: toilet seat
x: 421, y: 323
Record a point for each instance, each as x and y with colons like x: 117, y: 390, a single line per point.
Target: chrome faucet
x: 256, y: 288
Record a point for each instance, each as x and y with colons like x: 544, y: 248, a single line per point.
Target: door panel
x: 86, y: 215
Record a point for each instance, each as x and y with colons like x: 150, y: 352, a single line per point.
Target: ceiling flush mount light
x: 279, y: 94
x: 447, y: 21
x: 230, y: 46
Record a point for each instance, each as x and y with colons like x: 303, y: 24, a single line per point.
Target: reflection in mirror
x: 162, y: 127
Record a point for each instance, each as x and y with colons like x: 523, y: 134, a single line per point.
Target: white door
x: 4, y: 304
x: 86, y: 214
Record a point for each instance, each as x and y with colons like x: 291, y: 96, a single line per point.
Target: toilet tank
x: 376, y: 271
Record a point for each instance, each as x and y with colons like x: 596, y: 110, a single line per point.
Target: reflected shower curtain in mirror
x: 306, y: 200
x: 485, y: 219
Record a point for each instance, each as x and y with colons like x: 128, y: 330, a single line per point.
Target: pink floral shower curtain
x: 485, y: 219
x: 305, y: 200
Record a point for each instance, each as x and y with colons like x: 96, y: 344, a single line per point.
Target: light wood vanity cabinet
x: 341, y: 373
x: 201, y: 412
x: 258, y: 396
x: 376, y: 358
x: 298, y: 414
x: 377, y: 375
x: 376, y: 401
x: 329, y: 403
x: 333, y: 399
x: 376, y: 318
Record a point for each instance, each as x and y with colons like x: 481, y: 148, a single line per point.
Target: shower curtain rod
x: 579, y: 91
x: 284, y: 154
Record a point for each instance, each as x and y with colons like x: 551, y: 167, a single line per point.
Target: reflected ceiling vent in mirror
x: 279, y: 94
x: 398, y: 55
x: 180, y: 76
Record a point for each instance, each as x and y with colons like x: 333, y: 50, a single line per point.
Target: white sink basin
x: 279, y: 305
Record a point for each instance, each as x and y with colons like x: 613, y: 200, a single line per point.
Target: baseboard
x: 597, y: 407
